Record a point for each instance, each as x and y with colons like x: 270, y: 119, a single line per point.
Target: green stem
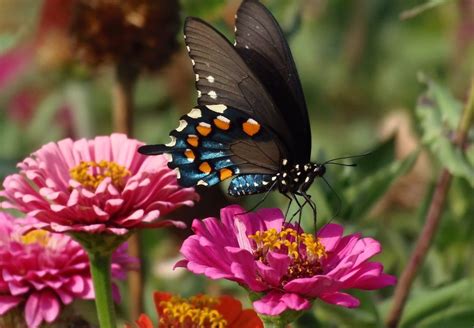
x: 101, y: 278
x: 467, y: 117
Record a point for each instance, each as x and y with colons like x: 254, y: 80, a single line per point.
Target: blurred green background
x: 363, y: 64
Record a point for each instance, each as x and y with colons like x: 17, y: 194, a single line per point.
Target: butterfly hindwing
x: 262, y: 45
x: 215, y: 142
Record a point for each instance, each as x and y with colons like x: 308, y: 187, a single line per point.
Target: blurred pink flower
x: 262, y: 253
x: 99, y: 185
x: 40, y: 271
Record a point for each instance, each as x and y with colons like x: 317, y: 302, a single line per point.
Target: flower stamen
x: 90, y: 174
x: 197, y: 311
x: 39, y: 236
x: 305, y: 250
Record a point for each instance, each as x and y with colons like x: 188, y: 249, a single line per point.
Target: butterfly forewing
x: 222, y: 77
x: 263, y: 47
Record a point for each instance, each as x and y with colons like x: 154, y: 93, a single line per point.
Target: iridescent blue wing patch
x: 214, y: 142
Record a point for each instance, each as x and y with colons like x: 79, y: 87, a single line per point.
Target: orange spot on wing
x: 225, y: 173
x: 251, y: 127
x: 204, y: 130
x: 205, y: 168
x: 221, y: 124
x: 193, y: 140
x: 189, y: 155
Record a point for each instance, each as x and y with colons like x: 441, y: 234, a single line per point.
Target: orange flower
x: 200, y: 311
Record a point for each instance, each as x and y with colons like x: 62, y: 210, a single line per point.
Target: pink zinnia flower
x: 40, y: 271
x: 288, y: 267
x: 99, y: 185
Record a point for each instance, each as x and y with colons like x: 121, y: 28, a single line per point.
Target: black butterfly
x: 251, y: 123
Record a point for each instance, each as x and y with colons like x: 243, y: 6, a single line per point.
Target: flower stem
x: 101, y: 278
x: 125, y: 80
x: 432, y: 221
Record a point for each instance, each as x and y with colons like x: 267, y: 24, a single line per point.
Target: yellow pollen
x: 197, y: 311
x: 91, y: 174
x: 36, y: 237
x: 305, y: 251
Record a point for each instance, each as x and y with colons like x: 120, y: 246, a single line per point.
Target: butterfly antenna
x: 347, y: 157
x: 339, y: 200
x: 341, y: 164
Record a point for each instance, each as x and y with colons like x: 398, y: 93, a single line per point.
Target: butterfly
x: 251, y: 123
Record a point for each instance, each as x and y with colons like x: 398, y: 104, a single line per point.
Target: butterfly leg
x: 312, y: 204
x: 289, y: 204
x: 299, y: 211
x: 261, y: 200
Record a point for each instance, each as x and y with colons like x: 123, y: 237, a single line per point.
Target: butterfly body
x: 251, y: 124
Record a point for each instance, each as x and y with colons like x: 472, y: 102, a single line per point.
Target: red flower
x: 199, y: 311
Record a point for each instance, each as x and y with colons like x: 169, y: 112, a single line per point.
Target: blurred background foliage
x: 384, y: 76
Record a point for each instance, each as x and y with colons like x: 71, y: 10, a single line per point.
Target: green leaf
x: 449, y: 304
x: 362, y: 196
x: 439, y: 113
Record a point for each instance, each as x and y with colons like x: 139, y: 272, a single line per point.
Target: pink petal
x: 341, y: 299
x: 275, y: 303
x: 312, y: 287
x: 33, y: 315
x: 8, y: 302
x: 330, y: 235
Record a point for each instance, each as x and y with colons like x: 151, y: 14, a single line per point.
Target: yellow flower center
x: 305, y: 251
x: 91, y: 174
x: 197, y: 311
x: 36, y: 237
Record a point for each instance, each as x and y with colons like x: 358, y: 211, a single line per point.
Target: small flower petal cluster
x: 287, y: 267
x: 99, y: 185
x: 200, y: 311
x: 41, y: 271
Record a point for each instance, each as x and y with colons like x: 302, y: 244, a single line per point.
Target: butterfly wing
x: 222, y: 77
x: 262, y: 45
x: 216, y: 142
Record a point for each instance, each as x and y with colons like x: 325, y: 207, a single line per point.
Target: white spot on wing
x: 217, y: 108
x: 252, y: 121
x: 188, y: 49
x: 265, y: 183
x: 197, y: 77
x: 199, y: 93
x: 178, y: 173
x: 202, y: 183
x: 182, y: 125
x: 223, y: 119
x: 172, y: 143
x: 195, y: 113
x: 211, y: 79
x: 306, y: 180
x: 212, y: 94
x: 204, y: 124
x: 285, y: 161
x: 193, y: 62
